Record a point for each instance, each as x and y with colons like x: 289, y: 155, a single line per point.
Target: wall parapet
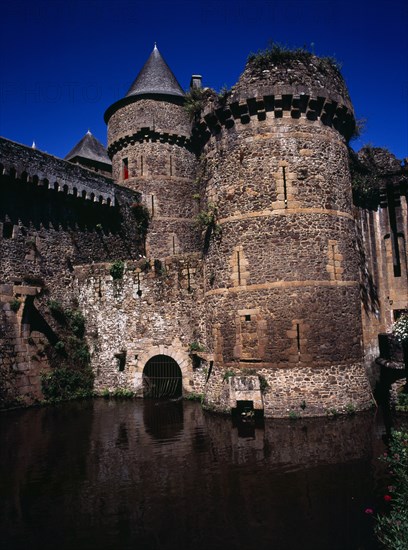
x: 300, y: 105
x: 55, y: 174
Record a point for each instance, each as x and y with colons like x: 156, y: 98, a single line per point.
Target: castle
x: 214, y: 249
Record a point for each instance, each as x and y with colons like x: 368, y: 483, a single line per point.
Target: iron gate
x: 162, y: 378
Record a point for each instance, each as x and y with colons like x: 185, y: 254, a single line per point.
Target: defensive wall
x: 276, y: 299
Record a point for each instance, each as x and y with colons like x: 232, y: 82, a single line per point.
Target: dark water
x: 135, y: 475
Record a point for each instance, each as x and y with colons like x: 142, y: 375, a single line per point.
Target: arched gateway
x: 162, y: 377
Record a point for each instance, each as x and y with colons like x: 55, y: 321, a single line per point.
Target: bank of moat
x: 214, y: 249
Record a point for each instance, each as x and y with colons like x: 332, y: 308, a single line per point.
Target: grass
x: 277, y: 54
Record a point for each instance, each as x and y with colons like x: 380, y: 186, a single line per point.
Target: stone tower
x: 282, y: 274
x: 149, y: 144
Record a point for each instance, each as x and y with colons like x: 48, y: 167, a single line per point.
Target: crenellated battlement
x: 29, y: 165
x: 145, y: 135
x: 296, y: 106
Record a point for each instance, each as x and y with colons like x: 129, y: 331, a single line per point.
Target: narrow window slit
x: 239, y: 268
x: 152, y: 206
x: 285, y: 190
x: 188, y: 279
x: 139, y: 292
x: 125, y: 169
x: 141, y: 165
x: 7, y: 230
x: 171, y: 165
x: 298, y: 337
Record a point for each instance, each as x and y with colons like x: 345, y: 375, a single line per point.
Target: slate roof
x: 155, y: 78
x: 89, y: 148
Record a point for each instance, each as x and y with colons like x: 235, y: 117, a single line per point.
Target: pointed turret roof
x: 89, y: 148
x: 155, y: 77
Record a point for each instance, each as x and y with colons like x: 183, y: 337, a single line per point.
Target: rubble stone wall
x: 151, y: 311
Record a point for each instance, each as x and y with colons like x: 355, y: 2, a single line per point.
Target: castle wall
x: 44, y: 232
x: 153, y: 310
x: 384, y: 289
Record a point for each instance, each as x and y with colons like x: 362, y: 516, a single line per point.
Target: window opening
x: 396, y: 260
x: 171, y: 165
x: 152, y: 206
x: 7, y: 230
x: 125, y: 169
x: 139, y: 292
x: 188, y: 279
x: 398, y: 312
x: 239, y: 268
x: 285, y: 191
x: 247, y: 317
x: 121, y: 359
x: 141, y: 165
x: 298, y: 337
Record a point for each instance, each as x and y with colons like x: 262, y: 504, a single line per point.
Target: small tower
x: 149, y: 144
x: 90, y: 153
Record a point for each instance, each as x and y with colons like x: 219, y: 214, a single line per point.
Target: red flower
x: 387, y: 498
x: 369, y: 511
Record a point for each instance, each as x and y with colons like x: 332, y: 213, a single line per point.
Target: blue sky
x: 62, y: 63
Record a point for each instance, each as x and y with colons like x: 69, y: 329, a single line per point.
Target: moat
x: 110, y: 474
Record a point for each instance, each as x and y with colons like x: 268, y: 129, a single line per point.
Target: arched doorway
x: 162, y: 378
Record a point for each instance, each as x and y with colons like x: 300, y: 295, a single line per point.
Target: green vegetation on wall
x: 276, y: 54
x: 71, y: 376
x: 117, y: 270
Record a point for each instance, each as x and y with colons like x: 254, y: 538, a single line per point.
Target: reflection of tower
x: 149, y: 143
x: 282, y: 277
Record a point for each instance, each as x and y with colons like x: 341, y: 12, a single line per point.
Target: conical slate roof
x: 155, y: 78
x: 89, y: 148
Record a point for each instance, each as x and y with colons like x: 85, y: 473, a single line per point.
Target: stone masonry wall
x: 381, y: 186
x: 163, y: 174
x: 162, y: 116
x: 152, y: 311
x: 282, y: 269
x: 44, y: 233
x: 151, y: 154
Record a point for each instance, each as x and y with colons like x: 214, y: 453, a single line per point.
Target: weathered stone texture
x: 50, y: 172
x: 327, y: 335
x: 270, y: 283
x: 162, y: 116
x: 160, y: 166
x: 310, y: 391
x: 165, y: 318
x: 309, y: 76
x: 244, y: 167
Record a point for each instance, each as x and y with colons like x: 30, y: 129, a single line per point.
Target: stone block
x: 6, y: 290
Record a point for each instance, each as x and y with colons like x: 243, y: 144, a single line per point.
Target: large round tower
x: 149, y: 144
x: 282, y: 275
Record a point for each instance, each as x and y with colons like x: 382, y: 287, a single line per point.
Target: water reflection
x: 140, y: 475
